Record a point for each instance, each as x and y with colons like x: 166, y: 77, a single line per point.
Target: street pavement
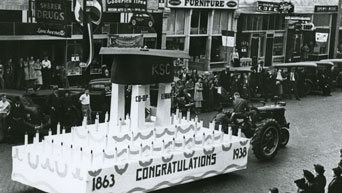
x: 316, y: 137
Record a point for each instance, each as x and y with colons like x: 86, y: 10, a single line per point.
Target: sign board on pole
x: 228, y: 38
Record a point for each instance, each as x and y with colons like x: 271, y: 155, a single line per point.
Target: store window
x: 176, y: 22
x: 175, y: 43
x: 263, y: 22
x: 217, y: 50
x: 278, y: 44
x: 321, y: 20
x: 222, y: 21
x: 199, y: 21
x: 197, y: 48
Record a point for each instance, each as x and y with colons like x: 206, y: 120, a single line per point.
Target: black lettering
x: 184, y: 165
x: 169, y: 169
x: 208, y: 160
x: 213, y: 159
x: 155, y: 69
x: 217, y: 3
x: 203, y: 161
x: 145, y: 173
x: 163, y: 169
x: 158, y: 170
x: 138, y: 178
x: 180, y: 166
x: 195, y: 160
x: 174, y: 166
x: 151, y: 174
x: 190, y: 164
x: 167, y: 69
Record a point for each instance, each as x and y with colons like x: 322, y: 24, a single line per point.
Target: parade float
x: 130, y: 153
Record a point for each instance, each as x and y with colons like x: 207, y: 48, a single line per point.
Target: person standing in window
x: 305, y: 52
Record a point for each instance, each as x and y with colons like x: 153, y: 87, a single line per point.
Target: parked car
x: 142, y: 19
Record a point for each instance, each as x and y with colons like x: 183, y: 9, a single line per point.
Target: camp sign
x: 213, y: 4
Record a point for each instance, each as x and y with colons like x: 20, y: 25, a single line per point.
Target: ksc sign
x: 136, y: 70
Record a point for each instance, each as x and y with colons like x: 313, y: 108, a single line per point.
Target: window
x: 222, y: 21
x: 175, y: 43
x: 278, y: 44
x: 321, y: 20
x: 199, y: 21
x: 176, y: 22
x: 217, y: 50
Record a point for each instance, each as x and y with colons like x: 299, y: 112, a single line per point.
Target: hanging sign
x: 213, y: 4
x: 54, y: 30
x: 228, y: 38
x: 52, y: 11
x: 326, y: 8
x: 126, y: 41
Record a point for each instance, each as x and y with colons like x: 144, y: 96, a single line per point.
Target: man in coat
x: 17, y: 115
x: 224, y: 79
x: 54, y: 104
x: 335, y: 185
x: 320, y: 180
x: 309, y: 181
x: 293, y: 84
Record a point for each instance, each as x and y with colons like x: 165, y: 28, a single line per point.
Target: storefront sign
x: 298, y: 18
x: 126, y: 41
x: 135, y: 69
x: 55, y: 30
x: 326, y: 9
x: 126, y: 5
x: 52, y: 11
x: 282, y: 7
x: 321, y: 37
x: 213, y: 4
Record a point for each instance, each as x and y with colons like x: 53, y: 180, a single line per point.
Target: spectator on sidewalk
x: 224, y: 79
x: 198, y: 95
x: 9, y: 78
x: 32, y: 71
x: 46, y: 72
x: 293, y: 84
x: 5, y: 109
x: 85, y: 102
x: 20, y: 78
x: 26, y: 72
x: 301, y: 186
x: 320, y: 180
x: 335, y: 186
x: 274, y: 190
x: 69, y: 118
x: 38, y: 70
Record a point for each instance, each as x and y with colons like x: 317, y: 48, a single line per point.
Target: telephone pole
x: 338, y: 24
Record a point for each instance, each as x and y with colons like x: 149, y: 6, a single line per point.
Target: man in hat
x: 320, y: 180
x: 309, y: 181
x: 274, y: 190
x: 301, y: 186
x: 54, y: 103
x: 335, y: 185
x: 17, y: 114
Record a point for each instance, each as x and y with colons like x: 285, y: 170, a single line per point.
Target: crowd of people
x: 210, y: 90
x: 317, y: 183
x: 31, y: 73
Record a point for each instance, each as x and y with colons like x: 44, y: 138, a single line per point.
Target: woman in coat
x: 335, y: 186
x: 32, y: 71
x: 198, y: 96
x: 26, y: 72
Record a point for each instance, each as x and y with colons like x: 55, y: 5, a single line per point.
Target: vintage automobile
x: 266, y: 125
x: 311, y: 69
x: 142, y: 19
x: 35, y: 117
x: 336, y: 71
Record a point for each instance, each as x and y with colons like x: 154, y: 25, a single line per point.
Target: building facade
x: 197, y: 29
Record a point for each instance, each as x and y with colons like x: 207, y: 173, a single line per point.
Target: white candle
x: 177, y: 112
x: 34, y: 140
x: 52, y: 147
x: 43, y: 143
x: 194, y: 140
x: 203, y: 139
x: 184, y: 142
x: 213, y: 137
x: 37, y: 136
x: 81, y: 154
x: 222, y: 135
x: 220, y: 127
x: 63, y: 131
x: 58, y: 128
x: 188, y: 115
x: 71, y: 153
x: 106, y: 146
x: 106, y: 117
x: 97, y: 122
x: 88, y: 138
x: 141, y: 150
x: 176, y: 132
x: 214, y: 123
x: 230, y: 134
x: 72, y: 134
x: 171, y: 119
x: 129, y: 152
x: 201, y: 123
x: 26, y: 139
x: 174, y: 144
x: 129, y: 123
x: 163, y: 146
x: 120, y: 124
x: 239, y: 132
x: 154, y: 134
x: 50, y: 132
x: 152, y: 147
x: 116, y: 154
x: 132, y: 137
x: 91, y: 157
x: 103, y: 156
x: 61, y: 149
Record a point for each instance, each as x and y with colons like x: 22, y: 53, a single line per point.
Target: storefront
x: 197, y: 29
x: 285, y: 31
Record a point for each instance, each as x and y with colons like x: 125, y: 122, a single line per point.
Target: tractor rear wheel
x: 266, y: 140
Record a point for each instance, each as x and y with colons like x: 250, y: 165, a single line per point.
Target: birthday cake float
x: 131, y: 154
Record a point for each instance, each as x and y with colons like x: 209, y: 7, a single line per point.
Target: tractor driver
x: 240, y: 108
